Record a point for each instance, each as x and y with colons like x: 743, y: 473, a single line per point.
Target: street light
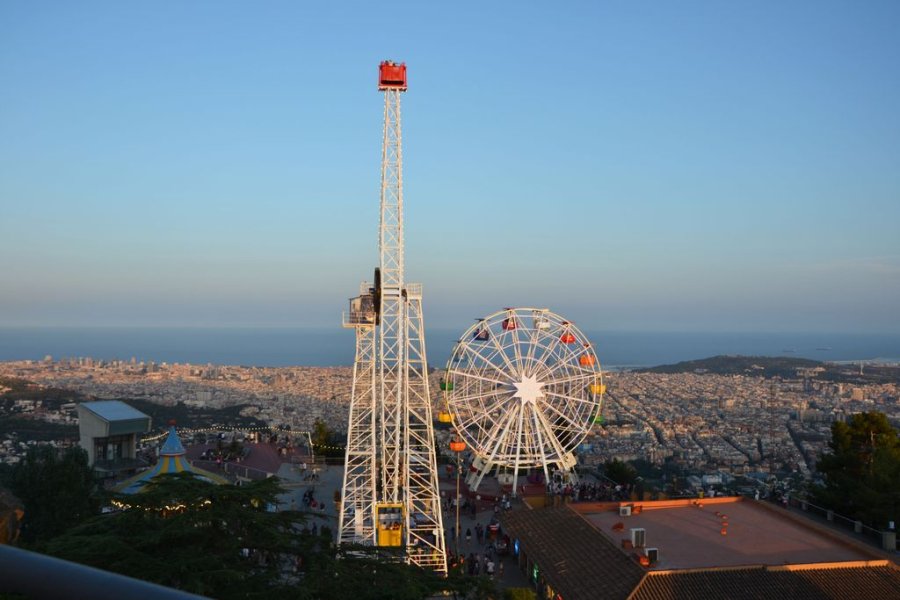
x: 457, y: 445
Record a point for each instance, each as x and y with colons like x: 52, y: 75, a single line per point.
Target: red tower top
x: 392, y: 76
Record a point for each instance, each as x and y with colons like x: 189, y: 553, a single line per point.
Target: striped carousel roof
x: 171, y: 460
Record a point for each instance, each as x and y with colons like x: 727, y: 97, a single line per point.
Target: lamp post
x: 457, y: 445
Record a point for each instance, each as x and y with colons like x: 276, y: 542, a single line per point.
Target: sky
x: 653, y: 166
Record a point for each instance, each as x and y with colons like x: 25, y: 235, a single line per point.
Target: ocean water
x: 329, y: 347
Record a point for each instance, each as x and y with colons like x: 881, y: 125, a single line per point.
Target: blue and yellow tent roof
x: 171, y: 460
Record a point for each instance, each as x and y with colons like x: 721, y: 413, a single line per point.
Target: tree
x: 57, y: 489
x: 321, y: 434
x: 326, y: 441
x: 189, y: 534
x: 862, y: 470
x: 620, y: 472
x: 221, y: 541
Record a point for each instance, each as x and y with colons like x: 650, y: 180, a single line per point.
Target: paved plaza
x: 329, y: 481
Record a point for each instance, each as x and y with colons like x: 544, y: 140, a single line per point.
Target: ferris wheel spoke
x: 541, y: 422
x: 483, y: 412
x: 517, y: 348
x: 480, y: 401
x: 575, y: 427
x: 530, y: 361
x: 500, y: 350
x: 570, y: 378
x: 470, y: 375
x: 535, y: 426
x: 499, y: 428
x: 569, y: 398
x: 518, y: 441
x: 485, y: 361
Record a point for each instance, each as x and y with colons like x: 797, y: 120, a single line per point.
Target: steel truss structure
x: 523, y: 387
x: 390, y: 456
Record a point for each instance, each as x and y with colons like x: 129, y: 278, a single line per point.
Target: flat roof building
x: 108, y: 431
x: 710, y: 548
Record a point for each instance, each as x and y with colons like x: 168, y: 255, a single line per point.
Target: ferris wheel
x: 523, y: 388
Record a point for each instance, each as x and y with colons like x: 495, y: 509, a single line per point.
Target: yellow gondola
x: 389, y: 520
x: 598, y: 388
x: 445, y: 417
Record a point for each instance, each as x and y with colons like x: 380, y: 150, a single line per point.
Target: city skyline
x: 705, y: 167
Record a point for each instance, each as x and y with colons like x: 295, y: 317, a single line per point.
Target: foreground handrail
x: 39, y: 576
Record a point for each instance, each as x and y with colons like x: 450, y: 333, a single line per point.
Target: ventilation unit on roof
x: 624, y: 511
x: 653, y: 555
x: 638, y: 537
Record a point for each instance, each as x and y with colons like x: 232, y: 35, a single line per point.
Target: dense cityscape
x: 708, y: 424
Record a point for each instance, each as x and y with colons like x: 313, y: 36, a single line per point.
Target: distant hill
x: 763, y: 366
x: 782, y: 366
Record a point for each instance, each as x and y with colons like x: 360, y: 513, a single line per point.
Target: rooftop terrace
x: 689, y: 534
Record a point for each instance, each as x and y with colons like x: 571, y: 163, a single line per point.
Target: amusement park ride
x: 390, y: 494
x: 523, y: 388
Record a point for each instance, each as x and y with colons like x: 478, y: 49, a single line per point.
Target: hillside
x: 784, y: 367
x: 763, y: 366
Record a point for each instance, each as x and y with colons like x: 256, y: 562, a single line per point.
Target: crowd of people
x: 589, y: 491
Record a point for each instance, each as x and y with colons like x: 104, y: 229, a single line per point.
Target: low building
x: 108, y: 431
x: 710, y: 548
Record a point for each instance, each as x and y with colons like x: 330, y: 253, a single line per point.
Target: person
x: 500, y: 571
x: 468, y: 534
x: 489, y: 568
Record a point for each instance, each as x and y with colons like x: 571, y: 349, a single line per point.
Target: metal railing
x: 869, y: 534
x: 38, y: 576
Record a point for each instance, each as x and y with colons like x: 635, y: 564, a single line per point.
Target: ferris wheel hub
x: 529, y: 389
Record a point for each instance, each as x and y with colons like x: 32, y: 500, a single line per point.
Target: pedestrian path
x: 329, y: 480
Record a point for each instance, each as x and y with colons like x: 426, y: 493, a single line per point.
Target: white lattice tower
x: 390, y: 454
x: 393, y: 330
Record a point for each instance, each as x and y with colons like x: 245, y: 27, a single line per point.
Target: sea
x: 280, y: 347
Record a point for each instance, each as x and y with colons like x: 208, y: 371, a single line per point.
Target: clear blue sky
x: 709, y: 166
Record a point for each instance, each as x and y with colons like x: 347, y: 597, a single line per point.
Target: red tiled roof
x: 873, y: 580
x: 578, y: 562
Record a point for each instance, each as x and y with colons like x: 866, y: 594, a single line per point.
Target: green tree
x: 321, y: 434
x: 221, y: 541
x: 620, y: 472
x: 57, y: 489
x: 862, y: 470
x: 326, y: 441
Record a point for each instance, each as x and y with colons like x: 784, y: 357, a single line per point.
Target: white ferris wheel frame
x: 523, y: 396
